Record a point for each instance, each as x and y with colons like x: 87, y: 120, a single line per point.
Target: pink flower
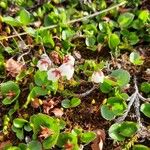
x: 54, y: 74
x: 67, y: 70
x: 69, y: 59
x: 97, y: 77
x: 44, y: 63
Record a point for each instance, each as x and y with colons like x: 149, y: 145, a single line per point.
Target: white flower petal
x: 97, y: 77
x: 67, y: 70
x: 44, y: 63
x: 53, y: 74
x: 42, y: 66
x: 69, y: 59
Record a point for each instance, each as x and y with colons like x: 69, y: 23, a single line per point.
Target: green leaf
x: 22, y: 146
x: 27, y: 127
x: 66, y: 103
x: 9, y: 50
x: 24, y: 17
x: 104, y: 27
x: 75, y: 102
x: 113, y: 41
x: 62, y: 124
x: 4, y: 4
x: 19, y: 122
x: 90, y: 41
x: 145, y: 109
x: 38, y: 91
x: 137, y: 24
x: 140, y: 147
x: 105, y: 87
x: 133, y: 38
x: 114, y: 132
x: 35, y: 92
x: 119, y: 131
x: 43, y: 120
x: 145, y: 87
x: 52, y: 86
x: 20, y: 134
x: 87, y: 137
x: 21, y: 75
x: 2, y: 61
x: 122, y: 76
x: 89, y: 29
x: 125, y: 19
x: 114, y: 107
x: 44, y: 36
x: 40, y: 78
x: 11, y: 111
x: 13, y: 148
x: 128, y: 129
x: 136, y: 59
x: 7, y: 88
x: 143, y: 15
x: 11, y: 21
x: 30, y: 31
x: 65, y: 137
x: 107, y: 113
x: 51, y: 19
x: 34, y: 145
x: 67, y: 34
x: 117, y: 105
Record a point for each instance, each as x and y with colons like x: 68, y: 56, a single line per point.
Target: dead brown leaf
x: 98, y: 142
x: 36, y: 103
x: 13, y: 67
x: 55, y: 57
x: 48, y: 105
x: 58, y: 112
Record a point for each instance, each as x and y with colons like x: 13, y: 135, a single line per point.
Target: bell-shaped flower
x: 69, y: 59
x: 67, y: 70
x: 44, y: 63
x: 54, y: 74
x: 97, y: 77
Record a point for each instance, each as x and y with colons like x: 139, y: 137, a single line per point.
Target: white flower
x: 44, y: 63
x: 67, y: 70
x: 97, y: 77
x: 54, y: 74
x: 69, y: 59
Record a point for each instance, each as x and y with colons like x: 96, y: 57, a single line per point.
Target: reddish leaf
x: 45, y: 133
x: 36, y: 103
x: 68, y: 146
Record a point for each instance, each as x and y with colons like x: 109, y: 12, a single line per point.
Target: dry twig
x: 134, y: 99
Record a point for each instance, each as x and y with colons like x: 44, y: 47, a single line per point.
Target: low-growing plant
x: 42, y: 86
x: 120, y: 131
x: 81, y: 43
x: 113, y: 107
x: 19, y: 126
x: 66, y: 103
x: 46, y: 129
x: 10, y: 91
